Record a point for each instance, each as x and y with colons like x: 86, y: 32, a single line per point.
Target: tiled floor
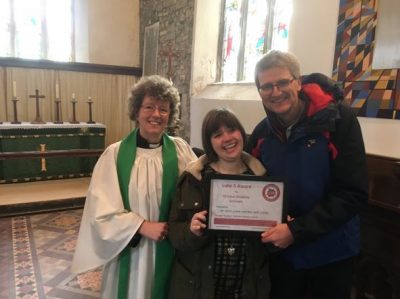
x: 35, y: 257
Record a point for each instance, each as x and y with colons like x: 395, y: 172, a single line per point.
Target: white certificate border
x: 244, y: 179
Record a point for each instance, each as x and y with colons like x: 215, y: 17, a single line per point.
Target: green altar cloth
x: 48, y: 137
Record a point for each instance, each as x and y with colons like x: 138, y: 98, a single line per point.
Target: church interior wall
x: 205, y: 44
x: 374, y: 94
x: 109, y: 93
x: 242, y: 98
x: 107, y: 32
x: 312, y: 38
x: 191, y: 26
x: 174, y: 57
x: 312, y: 34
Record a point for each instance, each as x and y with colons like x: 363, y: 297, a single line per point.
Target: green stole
x: 164, y: 251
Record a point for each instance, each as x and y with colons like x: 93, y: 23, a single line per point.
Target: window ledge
x: 237, y: 83
x: 71, y: 66
x: 230, y: 91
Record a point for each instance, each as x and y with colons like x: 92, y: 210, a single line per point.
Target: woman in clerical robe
x: 124, y: 223
x: 215, y: 265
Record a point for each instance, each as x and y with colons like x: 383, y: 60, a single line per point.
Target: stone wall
x: 175, y: 19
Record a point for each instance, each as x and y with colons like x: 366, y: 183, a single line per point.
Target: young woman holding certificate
x: 215, y: 265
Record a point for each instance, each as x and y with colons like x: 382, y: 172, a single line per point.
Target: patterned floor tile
x: 35, y: 257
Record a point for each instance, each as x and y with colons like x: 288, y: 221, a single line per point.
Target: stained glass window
x: 5, y: 28
x: 36, y: 29
x: 59, y: 30
x: 282, y: 15
x: 232, y: 36
x: 251, y: 27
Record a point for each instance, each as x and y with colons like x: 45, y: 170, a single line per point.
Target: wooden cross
x: 169, y: 54
x: 38, y: 119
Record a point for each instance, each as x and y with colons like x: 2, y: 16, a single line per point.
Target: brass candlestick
x: 58, y: 111
x: 90, y: 103
x: 74, y: 101
x: 15, y: 100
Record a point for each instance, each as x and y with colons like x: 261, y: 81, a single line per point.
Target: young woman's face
x: 227, y: 143
x: 153, y: 118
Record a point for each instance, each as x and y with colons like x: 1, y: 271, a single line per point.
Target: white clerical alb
x: 107, y: 228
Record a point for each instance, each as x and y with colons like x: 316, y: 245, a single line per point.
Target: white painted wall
x: 312, y: 34
x: 312, y: 38
x: 107, y: 32
x: 205, y: 44
x: 243, y: 99
x: 381, y: 136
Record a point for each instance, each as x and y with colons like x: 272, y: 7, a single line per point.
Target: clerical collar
x: 143, y: 143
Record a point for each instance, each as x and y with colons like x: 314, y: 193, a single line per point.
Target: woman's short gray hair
x: 159, y: 88
x: 276, y: 58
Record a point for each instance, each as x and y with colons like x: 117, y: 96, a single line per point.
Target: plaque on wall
x: 150, y: 49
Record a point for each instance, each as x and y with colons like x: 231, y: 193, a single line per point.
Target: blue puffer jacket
x: 323, y: 163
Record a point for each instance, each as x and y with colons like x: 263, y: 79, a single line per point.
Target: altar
x: 32, y: 152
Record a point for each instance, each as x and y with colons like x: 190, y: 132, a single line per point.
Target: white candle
x: 14, y: 89
x: 57, y: 91
x: 73, y: 96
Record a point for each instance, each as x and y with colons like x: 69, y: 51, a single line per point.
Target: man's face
x: 279, y: 92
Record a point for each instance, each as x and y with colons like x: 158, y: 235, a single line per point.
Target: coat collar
x: 195, y: 168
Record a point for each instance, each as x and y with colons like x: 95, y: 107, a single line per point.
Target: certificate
x: 245, y: 202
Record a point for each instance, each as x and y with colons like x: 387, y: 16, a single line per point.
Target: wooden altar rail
x: 48, y: 154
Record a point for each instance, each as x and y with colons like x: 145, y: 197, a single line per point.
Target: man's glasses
x: 267, y: 88
x: 150, y: 109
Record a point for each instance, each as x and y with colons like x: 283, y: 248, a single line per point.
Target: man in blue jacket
x: 313, y: 140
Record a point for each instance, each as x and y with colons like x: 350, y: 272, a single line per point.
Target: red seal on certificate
x: 271, y: 192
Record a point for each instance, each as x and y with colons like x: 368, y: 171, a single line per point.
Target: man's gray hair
x: 276, y: 58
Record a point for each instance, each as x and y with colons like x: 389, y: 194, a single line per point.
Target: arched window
x: 36, y: 29
x: 250, y: 28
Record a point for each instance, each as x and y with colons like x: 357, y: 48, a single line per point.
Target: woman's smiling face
x: 153, y: 118
x: 227, y: 143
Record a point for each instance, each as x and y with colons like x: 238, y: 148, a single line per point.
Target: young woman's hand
x: 156, y: 231
x: 198, y: 223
